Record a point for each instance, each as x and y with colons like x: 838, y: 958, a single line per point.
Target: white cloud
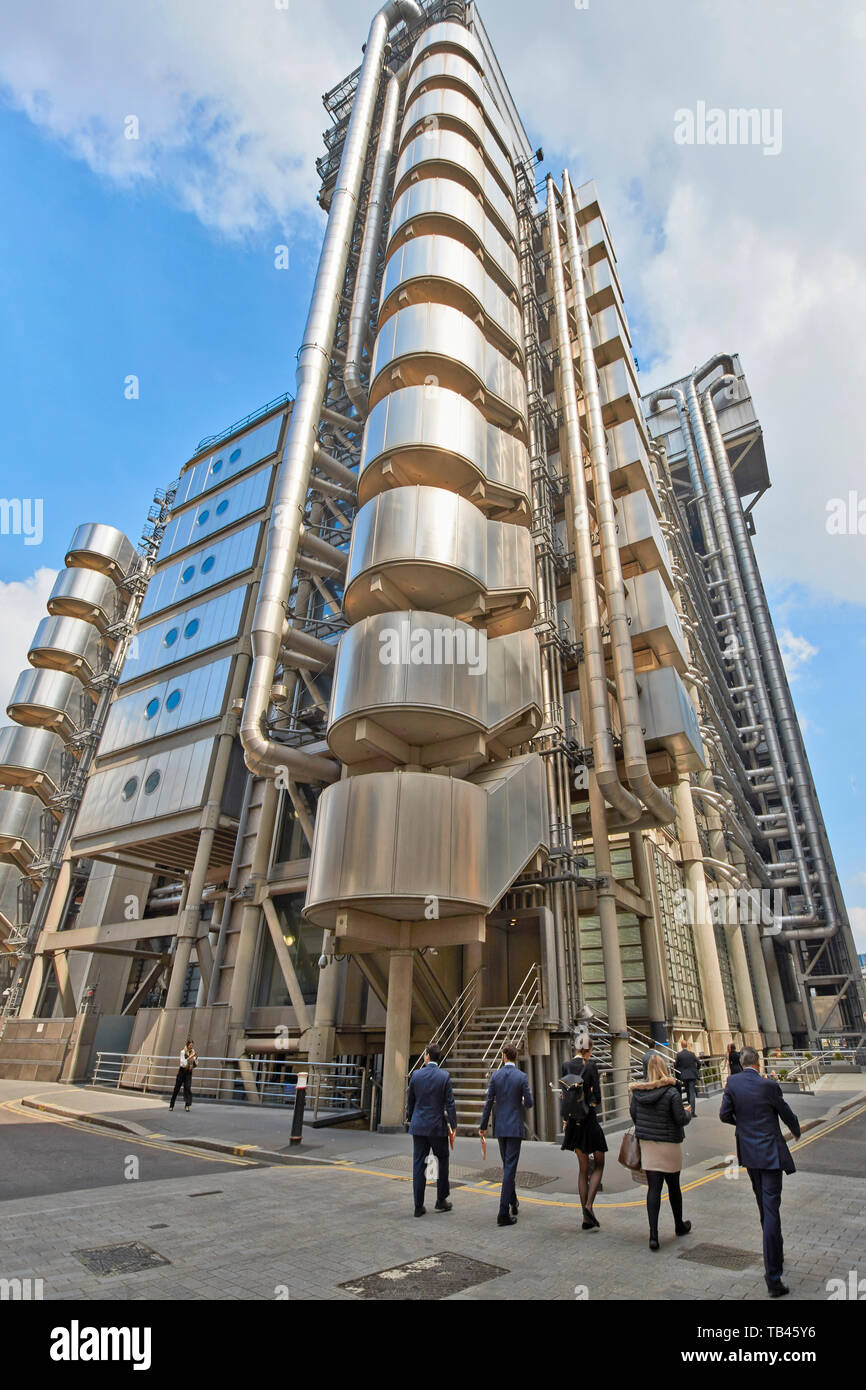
x: 797, y: 652
x: 858, y: 926
x: 720, y: 248
x: 22, y: 608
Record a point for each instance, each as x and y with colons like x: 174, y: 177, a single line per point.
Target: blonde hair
x: 657, y: 1069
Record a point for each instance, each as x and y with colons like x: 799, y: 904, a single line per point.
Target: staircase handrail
x: 455, y: 1021
x: 523, y: 1005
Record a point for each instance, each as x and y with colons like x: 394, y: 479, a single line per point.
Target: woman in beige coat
x: 659, y: 1120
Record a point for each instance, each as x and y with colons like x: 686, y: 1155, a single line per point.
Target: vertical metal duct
x: 314, y: 359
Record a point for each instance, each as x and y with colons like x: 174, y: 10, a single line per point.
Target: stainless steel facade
x: 433, y: 678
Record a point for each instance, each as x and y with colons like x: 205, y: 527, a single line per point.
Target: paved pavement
x: 326, y: 1224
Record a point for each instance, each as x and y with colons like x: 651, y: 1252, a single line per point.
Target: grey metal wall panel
x: 195, y: 573
x: 178, y: 702
x: 185, y: 634
x: 222, y: 509
x: 119, y: 797
x: 213, y: 469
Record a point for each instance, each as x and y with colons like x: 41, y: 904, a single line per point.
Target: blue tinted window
x: 173, y: 700
x: 203, y: 516
x: 223, y: 506
x: 217, y: 466
x: 191, y: 628
x: 233, y: 458
x: 151, y: 708
x: 170, y: 637
x: 187, y: 574
x: 208, y: 565
x: 152, y: 782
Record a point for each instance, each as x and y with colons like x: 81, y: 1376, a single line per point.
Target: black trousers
x: 184, y: 1079
x: 423, y: 1143
x: 690, y: 1088
x: 509, y: 1150
x: 767, y: 1187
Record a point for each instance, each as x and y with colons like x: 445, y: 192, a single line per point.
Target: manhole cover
x: 524, y: 1179
x: 433, y: 1277
x: 120, y: 1259
x: 722, y: 1256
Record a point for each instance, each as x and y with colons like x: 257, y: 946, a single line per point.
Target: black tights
x: 655, y: 1183
x: 588, y: 1186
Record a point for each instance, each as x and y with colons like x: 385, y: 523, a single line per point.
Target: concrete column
x: 715, y: 1010
x: 189, y: 920
x: 766, y: 1008
x: 33, y: 988
x: 780, y: 1008
x: 60, y: 962
x: 649, y: 941
x: 398, y: 1036
x: 607, y: 916
x: 323, y: 1034
x: 743, y: 985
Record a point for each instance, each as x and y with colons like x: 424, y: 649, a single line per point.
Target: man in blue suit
x: 509, y: 1093
x: 432, y: 1113
x: 754, y: 1103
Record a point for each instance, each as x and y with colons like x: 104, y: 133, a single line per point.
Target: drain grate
x: 720, y: 1256
x: 434, y: 1277
x: 120, y: 1259
x: 524, y: 1179
x: 214, y: 1192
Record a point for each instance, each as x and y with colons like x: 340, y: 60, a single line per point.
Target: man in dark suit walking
x: 509, y: 1093
x: 432, y: 1113
x: 687, y: 1067
x: 754, y: 1103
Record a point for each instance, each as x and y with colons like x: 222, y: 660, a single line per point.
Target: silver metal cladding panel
x: 9, y: 880
x: 639, y: 535
x: 26, y: 755
x: 448, y: 67
x: 441, y: 104
x: 368, y: 678
x: 513, y: 681
x: 450, y: 149
x: 179, y: 702
x: 119, y: 797
x: 441, y: 258
x: 95, y: 546
x: 67, y: 644
x: 186, y: 633
x: 447, y: 34
x: 388, y: 841
x: 20, y: 819
x: 629, y: 461
x: 195, y: 574
x: 454, y: 202
x: 43, y: 697
x: 510, y: 558
x: 441, y: 421
x: 440, y: 332
x: 215, y: 469
x: 610, y: 334
x: 653, y: 618
x: 81, y: 593
x: 669, y: 719
x: 619, y: 393
x: 222, y: 509
x: 419, y: 523
x: 516, y: 817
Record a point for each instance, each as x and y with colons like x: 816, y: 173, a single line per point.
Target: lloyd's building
x: 441, y: 699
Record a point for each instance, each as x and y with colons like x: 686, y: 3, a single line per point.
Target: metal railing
x: 457, y: 1019
x: 332, y: 1087
x: 514, y: 1027
x: 805, y: 1069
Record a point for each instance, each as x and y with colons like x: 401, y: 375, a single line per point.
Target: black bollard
x: 298, y: 1113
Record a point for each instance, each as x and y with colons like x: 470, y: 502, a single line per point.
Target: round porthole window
x: 170, y: 637
x: 217, y: 466
x: 187, y: 574
x: 233, y: 457
x: 208, y: 565
x: 191, y: 628
x: 152, y: 783
x: 151, y: 708
x: 173, y: 700
x: 223, y: 507
x: 129, y: 789
x: 202, y: 517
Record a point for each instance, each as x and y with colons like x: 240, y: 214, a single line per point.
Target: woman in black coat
x: 734, y: 1064
x: 659, y: 1116
x: 586, y: 1137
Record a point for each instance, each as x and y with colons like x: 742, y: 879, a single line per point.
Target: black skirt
x: 586, y: 1135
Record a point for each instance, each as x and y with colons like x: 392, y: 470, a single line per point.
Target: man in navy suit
x: 754, y: 1103
x: 510, y: 1094
x: 432, y: 1113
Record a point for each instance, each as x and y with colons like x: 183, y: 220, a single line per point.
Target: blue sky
x: 106, y: 273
